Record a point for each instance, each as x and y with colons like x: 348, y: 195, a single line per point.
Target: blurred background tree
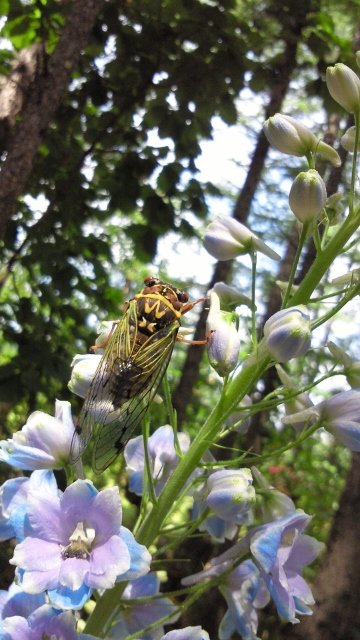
x: 104, y: 110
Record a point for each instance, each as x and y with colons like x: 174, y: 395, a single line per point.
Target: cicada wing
x: 150, y: 364
x: 99, y: 401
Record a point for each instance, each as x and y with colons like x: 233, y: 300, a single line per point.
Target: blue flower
x: 280, y: 551
x: 43, y: 442
x: 188, y: 633
x: 162, y: 455
x: 229, y: 495
x: 15, y: 602
x: 138, y: 615
x: 14, y: 501
x: 340, y: 415
x: 244, y: 591
x: 44, y: 622
x: 75, y: 544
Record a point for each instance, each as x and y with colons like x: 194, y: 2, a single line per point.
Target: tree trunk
x: 336, y: 590
x: 42, y: 101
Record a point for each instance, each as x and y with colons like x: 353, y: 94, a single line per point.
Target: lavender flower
x: 14, y: 499
x: 43, y: 442
x: 75, y: 544
x: 138, y: 615
x: 245, y: 592
x: 280, y: 551
x: 340, y: 415
x: 44, y: 622
x: 162, y: 454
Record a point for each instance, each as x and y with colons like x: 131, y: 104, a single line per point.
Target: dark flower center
x: 80, y: 542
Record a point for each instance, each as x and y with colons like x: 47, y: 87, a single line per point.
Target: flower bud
x: 83, y: 371
x: 229, y: 296
x: 227, y: 238
x: 351, y: 277
x: 344, y: 86
x: 357, y: 58
x: 104, y: 331
x: 224, y: 338
x: 287, y: 333
x: 328, y: 153
x: 348, y: 140
x: 351, y: 366
x: 334, y: 208
x: 289, y: 136
x: 274, y: 504
x: 230, y: 494
x: 307, y: 195
x: 294, y: 403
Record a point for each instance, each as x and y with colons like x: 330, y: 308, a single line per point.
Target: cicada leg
x: 190, y: 305
x: 103, y: 345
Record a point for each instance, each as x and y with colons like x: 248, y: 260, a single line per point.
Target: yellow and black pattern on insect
x: 136, y: 357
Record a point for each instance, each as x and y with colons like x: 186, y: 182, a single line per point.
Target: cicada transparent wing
x: 99, y: 402
x: 145, y: 374
x: 124, y: 384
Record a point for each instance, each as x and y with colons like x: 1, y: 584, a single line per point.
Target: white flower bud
x: 224, y: 338
x: 348, y: 140
x: 287, y: 333
x: 82, y: 374
x: 229, y: 296
x: 357, y: 58
x: 344, y: 86
x: 328, y: 153
x: 307, y: 195
x: 227, y: 238
x: 351, y: 277
x: 351, y: 366
x: 334, y: 208
x: 289, y: 136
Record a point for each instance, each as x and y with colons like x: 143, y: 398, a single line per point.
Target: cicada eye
x: 150, y: 281
x: 182, y: 296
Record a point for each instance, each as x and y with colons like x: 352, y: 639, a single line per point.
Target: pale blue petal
x: 140, y: 558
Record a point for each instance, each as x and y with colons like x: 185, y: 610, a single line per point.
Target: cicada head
x: 176, y: 296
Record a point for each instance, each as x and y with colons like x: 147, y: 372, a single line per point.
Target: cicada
x: 128, y: 376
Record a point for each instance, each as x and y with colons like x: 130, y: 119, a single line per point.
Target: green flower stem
x: 106, y: 608
x: 302, y: 240
x: 354, y: 161
x: 349, y: 295
x: 232, y: 395
x: 324, y: 259
x: 253, y: 298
